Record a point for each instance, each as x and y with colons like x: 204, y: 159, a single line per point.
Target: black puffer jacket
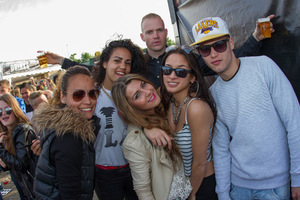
x: 23, y: 164
x: 54, y: 123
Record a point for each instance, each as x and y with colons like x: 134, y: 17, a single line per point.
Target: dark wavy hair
x: 138, y: 61
x: 198, y: 89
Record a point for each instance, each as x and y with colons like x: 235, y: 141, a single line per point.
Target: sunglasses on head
x: 186, y: 48
x: 78, y: 95
x: 7, y: 110
x: 181, y: 73
x: 219, y: 46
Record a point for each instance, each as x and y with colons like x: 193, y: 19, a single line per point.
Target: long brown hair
x: 131, y: 115
x: 21, y: 118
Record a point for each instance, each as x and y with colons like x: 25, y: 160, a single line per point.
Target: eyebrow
x: 121, y: 58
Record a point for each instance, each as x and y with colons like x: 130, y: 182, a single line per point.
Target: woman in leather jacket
x: 16, y: 135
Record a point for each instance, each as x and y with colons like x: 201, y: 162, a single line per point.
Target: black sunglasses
x: 78, y: 95
x: 219, y: 46
x: 182, y: 73
x: 186, y: 48
x: 7, y: 110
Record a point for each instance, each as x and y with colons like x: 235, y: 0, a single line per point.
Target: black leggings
x: 207, y: 189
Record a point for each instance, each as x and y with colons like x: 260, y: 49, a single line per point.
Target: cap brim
x: 210, y: 37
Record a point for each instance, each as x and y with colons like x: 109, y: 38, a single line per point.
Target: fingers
x: 36, y: 147
x: 271, y: 16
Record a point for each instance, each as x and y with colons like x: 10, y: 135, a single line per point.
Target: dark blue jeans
x: 114, y: 184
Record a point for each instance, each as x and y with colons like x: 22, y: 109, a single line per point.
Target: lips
x: 86, y: 109
x: 5, y: 118
x: 216, y: 62
x: 152, y: 98
x: 120, y: 73
x: 172, y: 84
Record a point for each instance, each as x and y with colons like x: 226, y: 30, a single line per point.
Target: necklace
x: 176, y: 116
x: 104, y: 90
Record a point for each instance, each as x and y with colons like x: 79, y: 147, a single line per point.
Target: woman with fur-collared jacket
x: 65, y: 168
x: 16, y: 135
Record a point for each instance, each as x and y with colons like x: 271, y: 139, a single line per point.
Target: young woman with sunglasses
x: 65, y: 169
x: 191, y: 114
x: 16, y: 135
x: 157, y: 172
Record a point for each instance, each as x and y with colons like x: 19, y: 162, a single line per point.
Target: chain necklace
x: 176, y: 117
x: 104, y: 90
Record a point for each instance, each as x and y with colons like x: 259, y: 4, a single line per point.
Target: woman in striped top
x: 191, y: 115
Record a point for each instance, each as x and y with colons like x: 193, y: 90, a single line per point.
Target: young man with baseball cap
x: 256, y: 144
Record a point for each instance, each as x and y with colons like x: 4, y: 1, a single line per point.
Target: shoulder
x: 136, y: 139
x: 198, y: 107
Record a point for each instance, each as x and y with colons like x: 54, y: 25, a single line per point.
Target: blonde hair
x: 21, y: 118
x: 131, y: 115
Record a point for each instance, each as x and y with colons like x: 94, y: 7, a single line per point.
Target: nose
x: 122, y: 65
x: 213, y: 52
x: 87, y: 99
x: 173, y: 75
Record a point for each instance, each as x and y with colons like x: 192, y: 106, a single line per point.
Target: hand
x: 3, y: 165
x: 257, y: 33
x: 2, y: 137
x: 53, y: 58
x: 36, y: 147
x: 296, y: 193
x: 158, y: 137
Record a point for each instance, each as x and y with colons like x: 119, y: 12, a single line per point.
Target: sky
x: 72, y: 26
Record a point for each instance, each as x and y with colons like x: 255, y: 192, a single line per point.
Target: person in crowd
x: 5, y: 89
x: 157, y: 172
x: 26, y: 89
x: 36, y: 98
x: 256, y: 142
x: 65, y: 169
x: 16, y: 135
x: 119, y: 57
x: 191, y: 114
x: 154, y: 34
x: 17, y: 92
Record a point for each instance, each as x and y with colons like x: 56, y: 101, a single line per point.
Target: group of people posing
x: 138, y: 126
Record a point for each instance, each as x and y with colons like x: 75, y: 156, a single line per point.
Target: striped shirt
x: 184, y: 141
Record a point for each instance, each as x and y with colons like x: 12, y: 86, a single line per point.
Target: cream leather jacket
x: 151, y: 171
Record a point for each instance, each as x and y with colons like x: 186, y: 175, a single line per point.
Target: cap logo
x: 206, y: 26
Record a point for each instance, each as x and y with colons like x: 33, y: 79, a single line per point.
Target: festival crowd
x: 150, y: 126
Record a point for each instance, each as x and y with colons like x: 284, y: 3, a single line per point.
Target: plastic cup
x: 42, y: 59
x: 265, y: 27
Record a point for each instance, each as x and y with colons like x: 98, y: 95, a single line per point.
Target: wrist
x: 256, y: 37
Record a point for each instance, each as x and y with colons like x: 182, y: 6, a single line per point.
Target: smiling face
x: 6, y: 119
x: 142, y: 95
x: 86, y: 106
x: 174, y: 84
x: 118, y: 65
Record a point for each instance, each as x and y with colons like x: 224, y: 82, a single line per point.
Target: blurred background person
x: 36, y: 98
x: 16, y: 135
x: 5, y: 89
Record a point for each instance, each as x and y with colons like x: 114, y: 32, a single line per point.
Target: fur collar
x: 62, y: 120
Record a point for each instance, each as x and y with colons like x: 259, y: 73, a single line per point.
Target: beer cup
x: 265, y: 27
x: 42, y: 59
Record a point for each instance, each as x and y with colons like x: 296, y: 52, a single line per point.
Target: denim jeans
x: 114, y: 184
x: 280, y: 193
